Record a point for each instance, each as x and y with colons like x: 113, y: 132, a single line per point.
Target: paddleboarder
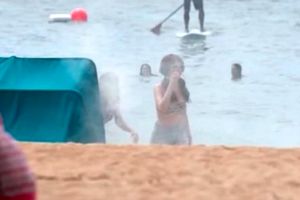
x: 198, y: 4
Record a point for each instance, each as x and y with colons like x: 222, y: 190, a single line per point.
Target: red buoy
x: 79, y: 15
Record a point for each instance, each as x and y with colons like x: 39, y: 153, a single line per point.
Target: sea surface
x: 263, y: 109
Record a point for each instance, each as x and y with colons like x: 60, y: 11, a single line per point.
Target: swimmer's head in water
x: 170, y: 63
x: 145, y: 70
x: 236, y: 71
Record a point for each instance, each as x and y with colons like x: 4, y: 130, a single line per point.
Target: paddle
x: 156, y: 29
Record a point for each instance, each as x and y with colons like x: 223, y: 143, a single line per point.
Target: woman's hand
x: 174, y: 79
x: 175, y: 76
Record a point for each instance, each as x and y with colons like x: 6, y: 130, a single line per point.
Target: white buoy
x: 59, y: 18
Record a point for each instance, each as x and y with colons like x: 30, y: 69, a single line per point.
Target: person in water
x: 198, y: 4
x: 236, y: 72
x: 171, y: 97
x: 110, y: 103
x: 16, y: 179
x: 145, y: 71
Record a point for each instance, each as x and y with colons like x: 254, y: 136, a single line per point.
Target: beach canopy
x: 51, y: 99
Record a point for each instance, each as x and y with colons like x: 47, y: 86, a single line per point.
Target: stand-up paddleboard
x: 193, y: 34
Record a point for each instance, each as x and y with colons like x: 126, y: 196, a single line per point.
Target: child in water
x: 171, y: 97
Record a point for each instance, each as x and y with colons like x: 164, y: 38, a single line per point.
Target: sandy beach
x: 90, y: 172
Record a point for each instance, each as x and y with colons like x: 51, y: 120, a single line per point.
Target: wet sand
x: 90, y: 172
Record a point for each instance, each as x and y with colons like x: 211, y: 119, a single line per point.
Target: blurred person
x: 110, y: 103
x: 16, y: 180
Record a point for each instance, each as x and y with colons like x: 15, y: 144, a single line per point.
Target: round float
x: 79, y: 15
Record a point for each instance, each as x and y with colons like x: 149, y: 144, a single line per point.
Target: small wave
x: 284, y: 121
x: 230, y: 112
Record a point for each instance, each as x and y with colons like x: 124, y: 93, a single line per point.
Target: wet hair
x: 109, y: 76
x: 237, y: 67
x: 109, y: 86
x: 168, y: 62
x: 145, y: 66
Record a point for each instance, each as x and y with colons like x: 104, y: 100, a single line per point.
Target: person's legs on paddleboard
x: 198, y: 4
x: 187, y: 6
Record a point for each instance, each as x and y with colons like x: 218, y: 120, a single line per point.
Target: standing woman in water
x: 171, y: 97
x: 110, y: 103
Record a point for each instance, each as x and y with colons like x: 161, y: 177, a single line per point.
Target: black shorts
x: 198, y: 4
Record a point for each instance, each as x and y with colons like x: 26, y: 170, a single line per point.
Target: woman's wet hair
x: 145, y: 66
x: 236, y: 71
x: 109, y: 76
x: 109, y: 85
x: 168, y: 62
x: 237, y: 66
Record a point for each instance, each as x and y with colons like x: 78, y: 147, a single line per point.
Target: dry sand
x: 90, y: 172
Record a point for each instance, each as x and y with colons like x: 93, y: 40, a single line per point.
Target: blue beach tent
x: 51, y: 99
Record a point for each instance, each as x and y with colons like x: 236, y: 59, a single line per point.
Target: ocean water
x: 262, y: 109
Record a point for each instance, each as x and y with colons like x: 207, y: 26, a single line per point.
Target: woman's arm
x: 119, y: 120
x: 162, y: 101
